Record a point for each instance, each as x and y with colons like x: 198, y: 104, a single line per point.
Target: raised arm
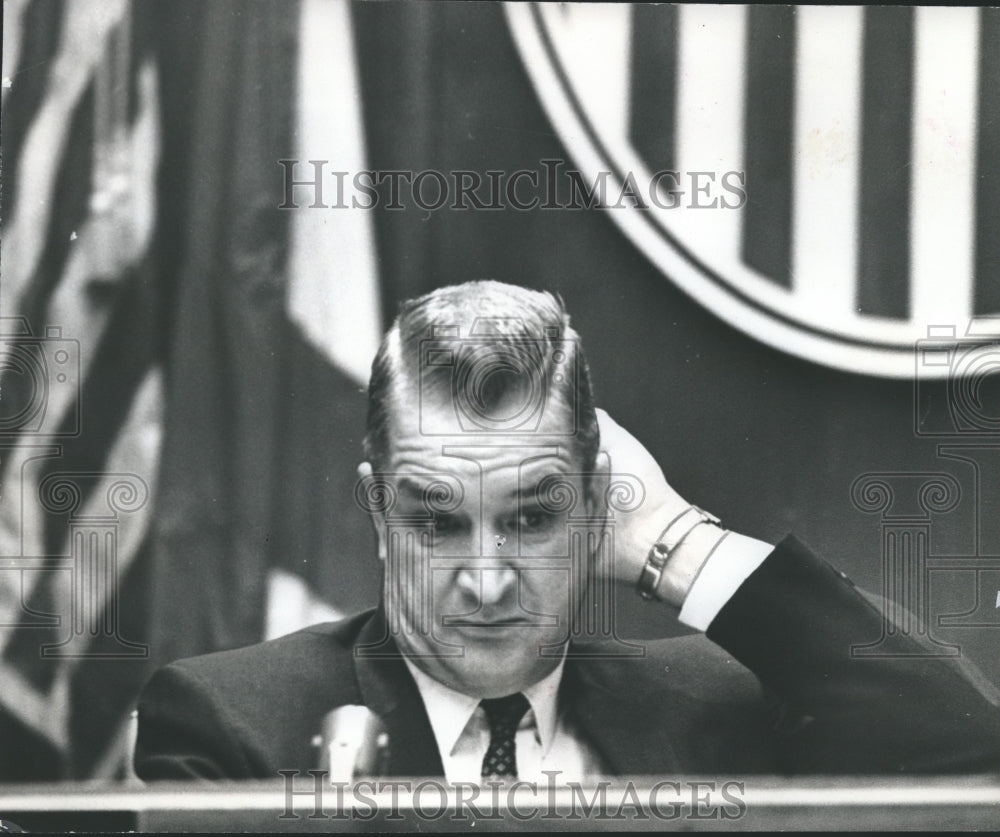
x: 792, y: 619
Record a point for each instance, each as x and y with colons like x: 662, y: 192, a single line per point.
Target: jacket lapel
x: 629, y: 735
x: 389, y: 691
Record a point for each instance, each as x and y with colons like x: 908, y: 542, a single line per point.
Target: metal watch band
x: 671, y: 537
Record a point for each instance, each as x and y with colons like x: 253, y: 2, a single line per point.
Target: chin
x: 493, y: 686
x: 494, y: 675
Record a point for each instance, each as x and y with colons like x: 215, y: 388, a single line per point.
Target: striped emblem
x: 872, y: 201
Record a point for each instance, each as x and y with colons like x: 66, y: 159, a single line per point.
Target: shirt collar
x: 543, y: 697
x: 450, y: 712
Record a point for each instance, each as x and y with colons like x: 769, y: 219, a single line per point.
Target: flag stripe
x: 36, y: 688
x: 86, y: 127
x: 40, y: 31
x: 887, y: 113
x: 947, y: 41
x: 85, y: 252
x: 827, y: 131
x: 119, y: 367
x: 767, y: 227
x: 69, y: 212
x: 74, y: 172
x: 120, y: 363
x: 13, y: 37
x: 36, y: 711
x: 83, y: 315
x: 83, y: 36
x: 653, y: 84
x: 987, y: 257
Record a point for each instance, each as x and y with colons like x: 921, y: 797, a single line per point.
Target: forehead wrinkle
x: 508, y: 462
x: 405, y: 438
x: 513, y: 478
x: 498, y: 461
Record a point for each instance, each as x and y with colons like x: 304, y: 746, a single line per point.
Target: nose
x: 487, y: 582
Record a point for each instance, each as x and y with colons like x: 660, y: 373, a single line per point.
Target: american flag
x: 169, y: 393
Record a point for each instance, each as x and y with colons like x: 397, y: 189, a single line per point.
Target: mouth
x: 465, y: 622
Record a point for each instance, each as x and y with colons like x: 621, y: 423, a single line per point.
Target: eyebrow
x: 526, y: 491
x: 417, y: 487
x: 413, y: 486
x: 532, y: 489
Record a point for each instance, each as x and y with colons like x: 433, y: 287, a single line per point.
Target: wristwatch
x: 672, y: 537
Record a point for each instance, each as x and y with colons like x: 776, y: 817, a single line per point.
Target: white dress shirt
x: 731, y: 562
x: 546, y: 739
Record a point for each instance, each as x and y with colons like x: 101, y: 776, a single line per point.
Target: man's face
x: 483, y: 603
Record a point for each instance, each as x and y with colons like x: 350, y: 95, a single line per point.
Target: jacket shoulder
x: 692, y: 666
x: 248, y: 711
x: 316, y: 658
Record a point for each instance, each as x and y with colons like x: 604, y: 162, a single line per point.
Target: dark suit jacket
x: 689, y: 705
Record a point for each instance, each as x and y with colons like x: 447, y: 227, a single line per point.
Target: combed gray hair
x: 527, y: 331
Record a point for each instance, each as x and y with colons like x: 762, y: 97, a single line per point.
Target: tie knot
x: 505, y: 713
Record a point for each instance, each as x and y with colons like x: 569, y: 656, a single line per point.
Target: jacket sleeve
x: 185, y: 731
x: 796, y: 622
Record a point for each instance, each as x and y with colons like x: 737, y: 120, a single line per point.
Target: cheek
x: 408, y: 578
x: 446, y: 598
x: 553, y: 541
x: 453, y: 544
x: 547, y: 589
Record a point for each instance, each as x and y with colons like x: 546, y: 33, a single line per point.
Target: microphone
x: 353, y: 743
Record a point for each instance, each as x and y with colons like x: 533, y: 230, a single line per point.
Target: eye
x: 446, y: 523
x: 530, y: 521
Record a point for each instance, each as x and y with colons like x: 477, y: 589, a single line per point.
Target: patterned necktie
x: 505, y: 716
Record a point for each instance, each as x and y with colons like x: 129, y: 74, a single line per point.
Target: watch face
x: 658, y: 556
x: 649, y: 580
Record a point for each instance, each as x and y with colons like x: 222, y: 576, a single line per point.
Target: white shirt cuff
x: 732, y: 561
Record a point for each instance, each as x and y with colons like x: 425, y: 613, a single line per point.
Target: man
x: 495, y: 487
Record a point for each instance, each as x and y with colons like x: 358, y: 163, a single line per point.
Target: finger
x: 607, y: 425
x: 601, y: 480
x: 603, y: 418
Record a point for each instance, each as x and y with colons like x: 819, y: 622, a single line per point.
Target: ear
x: 377, y: 517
